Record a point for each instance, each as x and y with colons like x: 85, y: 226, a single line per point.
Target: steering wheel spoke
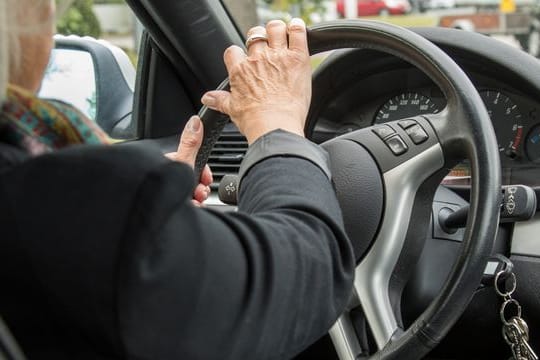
x: 375, y: 285
x: 373, y: 275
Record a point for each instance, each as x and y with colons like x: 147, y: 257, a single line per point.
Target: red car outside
x: 377, y: 7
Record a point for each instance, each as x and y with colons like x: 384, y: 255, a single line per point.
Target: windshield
x: 515, y: 22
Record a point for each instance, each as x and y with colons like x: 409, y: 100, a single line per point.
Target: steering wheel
x: 386, y: 177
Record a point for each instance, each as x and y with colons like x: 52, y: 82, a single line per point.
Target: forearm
x: 301, y: 253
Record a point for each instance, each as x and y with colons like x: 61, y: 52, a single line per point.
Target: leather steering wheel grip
x: 213, y: 122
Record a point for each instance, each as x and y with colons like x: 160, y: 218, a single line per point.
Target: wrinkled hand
x: 270, y: 85
x: 190, y: 142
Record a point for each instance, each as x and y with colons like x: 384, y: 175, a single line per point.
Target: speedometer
x: 405, y: 105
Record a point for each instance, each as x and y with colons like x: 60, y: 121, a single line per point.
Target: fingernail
x: 194, y: 124
x: 209, y: 100
x: 297, y: 22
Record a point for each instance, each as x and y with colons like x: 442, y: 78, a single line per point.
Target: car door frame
x: 177, y: 64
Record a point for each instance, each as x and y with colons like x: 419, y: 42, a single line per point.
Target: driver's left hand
x: 190, y: 142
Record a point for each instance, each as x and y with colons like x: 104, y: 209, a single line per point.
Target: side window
x: 93, y: 64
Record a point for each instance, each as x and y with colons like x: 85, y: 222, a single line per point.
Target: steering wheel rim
x: 463, y: 131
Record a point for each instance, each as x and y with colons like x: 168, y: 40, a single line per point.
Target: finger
x: 190, y: 141
x: 171, y: 156
x: 233, y: 56
x: 258, y: 46
x: 206, y: 176
x: 297, y: 35
x: 196, y: 203
x: 201, y: 193
x: 277, y: 34
x: 218, y: 100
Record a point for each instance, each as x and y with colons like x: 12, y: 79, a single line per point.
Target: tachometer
x: 506, y: 119
x: 405, y: 105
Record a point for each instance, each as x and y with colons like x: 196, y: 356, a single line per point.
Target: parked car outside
x: 377, y: 7
x: 436, y: 4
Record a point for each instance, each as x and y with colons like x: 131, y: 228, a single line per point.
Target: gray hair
x: 6, y: 43
x: 10, y: 29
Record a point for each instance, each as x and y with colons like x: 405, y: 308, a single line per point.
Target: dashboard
x: 402, y: 91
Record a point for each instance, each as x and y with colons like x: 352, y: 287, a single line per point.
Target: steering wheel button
x: 383, y: 131
x: 397, y: 145
x: 417, y: 134
x: 405, y: 124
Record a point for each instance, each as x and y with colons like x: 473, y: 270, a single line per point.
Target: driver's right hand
x: 270, y: 86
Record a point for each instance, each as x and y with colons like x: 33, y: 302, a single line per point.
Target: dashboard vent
x: 227, y: 155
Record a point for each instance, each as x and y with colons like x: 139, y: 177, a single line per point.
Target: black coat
x: 102, y: 255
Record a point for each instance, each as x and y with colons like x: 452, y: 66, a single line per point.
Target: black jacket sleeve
x: 138, y: 270
x: 259, y: 284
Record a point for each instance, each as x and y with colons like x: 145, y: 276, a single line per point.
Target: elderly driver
x: 103, y: 254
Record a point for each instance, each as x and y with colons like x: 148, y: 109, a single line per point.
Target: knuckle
x: 296, y: 28
x: 245, y: 67
x: 298, y: 57
x: 277, y: 58
x: 229, y: 51
x: 189, y: 142
x: 233, y: 79
x: 275, y: 23
x: 255, y: 59
x: 256, y: 30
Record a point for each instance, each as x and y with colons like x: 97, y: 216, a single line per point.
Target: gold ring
x: 254, y: 38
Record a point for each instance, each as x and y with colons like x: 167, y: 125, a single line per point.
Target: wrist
x: 254, y: 129
x: 255, y: 134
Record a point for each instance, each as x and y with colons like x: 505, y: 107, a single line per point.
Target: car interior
x: 434, y: 141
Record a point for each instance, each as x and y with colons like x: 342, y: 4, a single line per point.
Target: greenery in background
x: 302, y: 8
x: 92, y: 105
x: 79, y: 19
x: 109, y: 1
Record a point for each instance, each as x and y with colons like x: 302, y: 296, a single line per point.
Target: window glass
x: 516, y: 22
x: 75, y: 73
x: 409, y: 93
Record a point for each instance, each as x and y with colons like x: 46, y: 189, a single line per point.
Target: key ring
x: 505, y: 294
x: 503, y: 310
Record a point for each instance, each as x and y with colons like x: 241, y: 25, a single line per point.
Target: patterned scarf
x: 40, y: 126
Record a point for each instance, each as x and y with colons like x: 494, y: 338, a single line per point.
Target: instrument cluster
x: 514, y: 117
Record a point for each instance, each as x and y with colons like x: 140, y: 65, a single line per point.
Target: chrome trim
x: 372, y: 275
x: 213, y: 202
x: 344, y: 338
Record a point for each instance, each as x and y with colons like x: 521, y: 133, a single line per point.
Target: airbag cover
x: 359, y: 189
